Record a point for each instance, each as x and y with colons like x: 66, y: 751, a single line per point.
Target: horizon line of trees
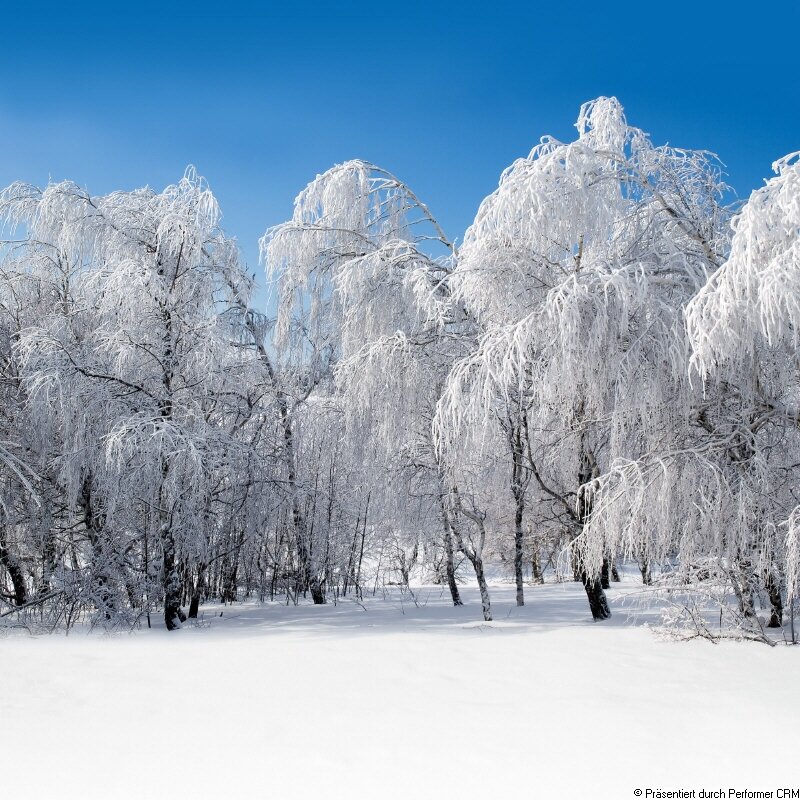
x: 606, y: 368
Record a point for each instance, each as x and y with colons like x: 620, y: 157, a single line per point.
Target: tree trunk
x: 475, y: 550
x: 775, y: 601
x: 486, y: 605
x: 303, y: 555
x: 317, y: 592
x: 519, y: 485
x: 359, y: 592
x: 536, y: 563
x: 9, y: 561
x: 598, y: 603
x: 743, y: 582
x: 229, y: 581
x: 194, y: 606
x: 173, y: 614
x: 197, y: 591
x: 48, y: 558
x: 520, y: 506
x: 605, y: 583
x: 576, y: 566
x: 94, y: 521
x: 450, y: 558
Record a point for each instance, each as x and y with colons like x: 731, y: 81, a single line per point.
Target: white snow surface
x: 395, y: 701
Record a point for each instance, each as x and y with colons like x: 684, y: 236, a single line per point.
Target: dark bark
x: 359, y: 592
x: 605, y: 583
x: 519, y: 485
x: 450, y: 559
x: 743, y: 582
x: 197, y: 592
x: 472, y: 550
x: 94, y: 522
x: 173, y: 614
x: 598, y: 603
x: 48, y: 560
x: 229, y: 581
x: 194, y: 606
x: 9, y: 561
x: 593, y: 585
x: 307, y: 576
x: 486, y: 605
x: 407, y: 564
x: 350, y: 571
x: 776, y: 602
x: 520, y: 505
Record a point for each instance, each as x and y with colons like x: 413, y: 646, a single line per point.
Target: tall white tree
x: 577, y: 268
x: 361, y: 271
x: 140, y: 365
x: 743, y: 326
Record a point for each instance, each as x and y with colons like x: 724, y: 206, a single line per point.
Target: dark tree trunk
x: 598, y: 603
x: 173, y: 590
x: 173, y: 614
x: 317, y: 592
x: 743, y: 582
x: 644, y: 568
x: 309, y: 580
x: 194, y: 606
x: 455, y: 595
x: 474, y: 552
x: 514, y: 426
x: 94, y: 520
x: 775, y: 601
x: 449, y: 550
x: 605, y: 583
x: 614, y: 572
x: 9, y: 561
x: 359, y: 592
x: 197, y: 591
x: 486, y: 605
x: 518, y: 550
x: 48, y: 562
x: 229, y: 580
x: 350, y: 572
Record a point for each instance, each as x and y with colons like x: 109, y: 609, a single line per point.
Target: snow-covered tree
x: 361, y: 271
x: 577, y: 268
x: 743, y: 326
x: 135, y: 358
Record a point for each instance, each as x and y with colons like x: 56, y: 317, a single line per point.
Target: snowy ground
x: 395, y: 701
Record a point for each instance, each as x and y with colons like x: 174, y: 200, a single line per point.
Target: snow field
x: 395, y: 702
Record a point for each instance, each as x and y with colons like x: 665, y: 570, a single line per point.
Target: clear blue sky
x: 445, y: 95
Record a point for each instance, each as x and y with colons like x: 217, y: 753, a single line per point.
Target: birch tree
x: 576, y: 268
x: 743, y: 327
x: 147, y: 342
x: 362, y: 304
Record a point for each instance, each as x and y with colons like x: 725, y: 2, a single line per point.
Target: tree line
x: 605, y: 368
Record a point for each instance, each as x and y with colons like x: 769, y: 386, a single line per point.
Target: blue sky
x: 445, y: 95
